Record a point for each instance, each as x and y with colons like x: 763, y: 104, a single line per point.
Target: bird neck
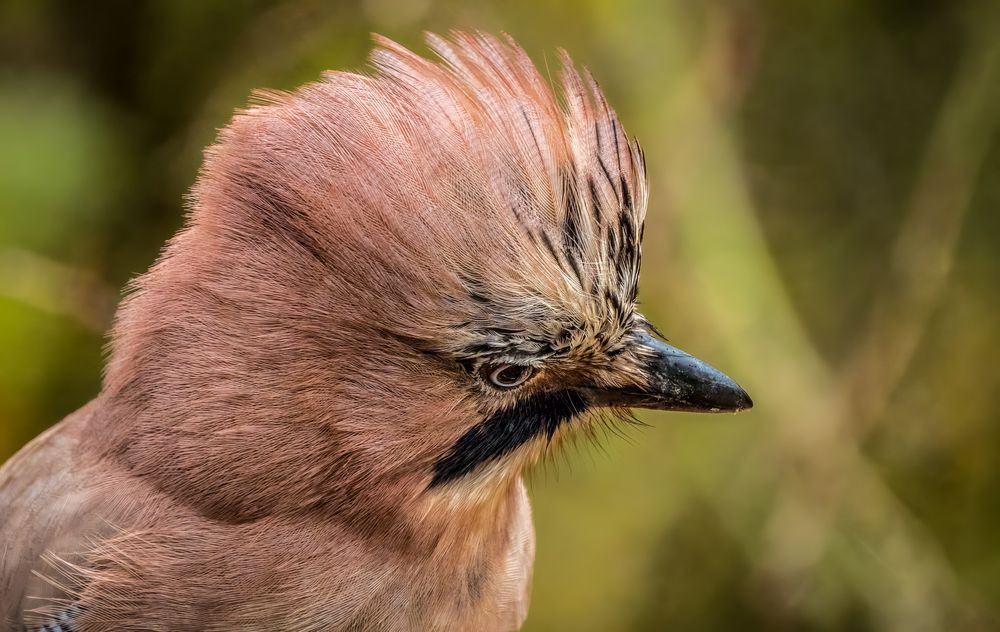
x: 483, y: 527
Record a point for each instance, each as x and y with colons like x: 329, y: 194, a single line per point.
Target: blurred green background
x: 824, y: 226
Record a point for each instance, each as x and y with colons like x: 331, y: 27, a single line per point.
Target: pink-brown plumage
x: 287, y: 433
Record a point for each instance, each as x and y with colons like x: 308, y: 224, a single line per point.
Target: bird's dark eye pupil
x: 508, y: 375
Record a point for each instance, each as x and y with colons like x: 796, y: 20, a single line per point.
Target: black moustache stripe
x: 505, y: 431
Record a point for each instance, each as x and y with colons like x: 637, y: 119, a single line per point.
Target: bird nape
x: 393, y: 292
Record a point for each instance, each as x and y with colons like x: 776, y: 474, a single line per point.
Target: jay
x: 393, y: 292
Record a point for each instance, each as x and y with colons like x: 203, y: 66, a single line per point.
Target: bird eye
x: 507, y: 376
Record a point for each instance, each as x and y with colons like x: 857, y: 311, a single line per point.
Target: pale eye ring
x: 507, y: 376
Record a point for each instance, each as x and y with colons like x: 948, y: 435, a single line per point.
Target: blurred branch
x: 924, y: 251
x: 923, y: 257
x: 824, y: 482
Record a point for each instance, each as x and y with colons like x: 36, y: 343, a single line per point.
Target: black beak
x: 674, y: 380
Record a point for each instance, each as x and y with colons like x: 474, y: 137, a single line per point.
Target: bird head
x: 397, y: 284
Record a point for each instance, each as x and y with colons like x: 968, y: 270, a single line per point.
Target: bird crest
x: 523, y: 206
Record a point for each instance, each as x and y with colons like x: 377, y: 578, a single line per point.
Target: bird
x: 393, y: 292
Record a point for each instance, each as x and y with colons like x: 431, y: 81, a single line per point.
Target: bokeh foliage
x: 824, y: 226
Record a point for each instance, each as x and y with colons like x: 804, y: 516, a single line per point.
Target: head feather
x: 350, y: 245
x: 524, y: 212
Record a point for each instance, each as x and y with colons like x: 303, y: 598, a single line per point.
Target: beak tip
x: 743, y: 401
x: 731, y: 398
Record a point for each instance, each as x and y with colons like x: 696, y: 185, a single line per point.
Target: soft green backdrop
x: 824, y: 226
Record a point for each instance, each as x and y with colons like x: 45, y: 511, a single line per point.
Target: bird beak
x: 671, y: 379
